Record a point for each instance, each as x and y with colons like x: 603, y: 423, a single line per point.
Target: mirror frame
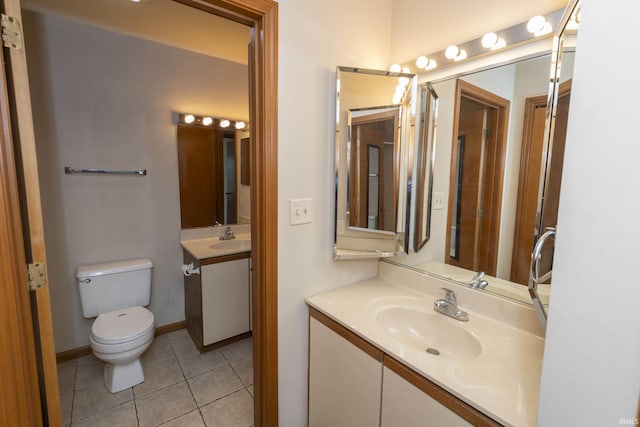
x: 550, y: 124
x: 425, y: 155
x: 387, y: 243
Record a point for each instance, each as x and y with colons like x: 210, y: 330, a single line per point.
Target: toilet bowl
x: 119, y: 338
x: 115, y: 294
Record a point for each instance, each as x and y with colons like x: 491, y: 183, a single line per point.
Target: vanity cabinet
x: 217, y: 301
x: 345, y: 378
x: 354, y: 383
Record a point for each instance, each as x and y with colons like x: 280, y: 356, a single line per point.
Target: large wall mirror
x: 372, y: 162
x: 496, y: 155
x: 213, y: 167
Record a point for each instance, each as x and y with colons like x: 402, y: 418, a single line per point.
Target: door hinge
x: 11, y: 32
x: 36, y: 275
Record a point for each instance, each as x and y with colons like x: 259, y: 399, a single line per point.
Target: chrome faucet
x: 477, y: 282
x: 228, y: 234
x: 216, y: 223
x: 449, y: 306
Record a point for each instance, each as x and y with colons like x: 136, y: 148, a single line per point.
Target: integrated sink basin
x: 231, y: 244
x: 424, y: 330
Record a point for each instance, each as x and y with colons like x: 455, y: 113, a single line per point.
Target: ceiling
x: 162, y: 21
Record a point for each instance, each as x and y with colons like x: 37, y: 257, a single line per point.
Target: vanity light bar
x: 192, y: 119
x: 538, y: 26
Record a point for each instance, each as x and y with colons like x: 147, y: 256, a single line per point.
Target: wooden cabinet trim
x: 454, y: 404
x: 354, y: 339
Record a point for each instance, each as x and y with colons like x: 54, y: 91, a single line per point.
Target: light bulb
x: 397, y: 99
x: 422, y: 62
x: 489, y: 40
x: 406, y: 70
x: 189, y: 118
x: 452, y: 51
x: 431, y: 65
x: 536, y: 24
x: 207, y: 121
x: 404, y: 81
x: 224, y: 123
x: 240, y: 125
x: 400, y: 89
x: 396, y: 68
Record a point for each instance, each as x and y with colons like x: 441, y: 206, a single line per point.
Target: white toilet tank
x: 114, y: 285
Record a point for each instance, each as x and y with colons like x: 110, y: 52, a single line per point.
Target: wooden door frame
x: 262, y: 17
x: 483, y: 96
x: 525, y: 154
x: 20, y: 399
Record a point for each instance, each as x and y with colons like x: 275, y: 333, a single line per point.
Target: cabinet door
x: 344, y: 382
x: 225, y: 300
x: 405, y: 405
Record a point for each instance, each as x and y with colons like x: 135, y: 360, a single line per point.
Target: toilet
x: 115, y: 293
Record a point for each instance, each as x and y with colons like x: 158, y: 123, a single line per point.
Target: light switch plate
x: 300, y: 211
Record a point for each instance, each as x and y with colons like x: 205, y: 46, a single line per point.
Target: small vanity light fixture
x: 492, y: 41
x: 225, y: 123
x: 395, y: 68
x: 240, y: 125
x: 189, y: 118
x: 539, y: 26
x: 455, y: 53
x: 207, y: 121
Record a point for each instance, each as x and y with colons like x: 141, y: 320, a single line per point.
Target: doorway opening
x: 476, y: 178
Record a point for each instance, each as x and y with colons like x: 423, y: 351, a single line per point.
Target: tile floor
x: 183, y: 388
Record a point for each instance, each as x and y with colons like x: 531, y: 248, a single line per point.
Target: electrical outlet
x: 300, y: 211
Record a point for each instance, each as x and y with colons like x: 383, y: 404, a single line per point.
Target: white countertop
x: 205, y: 242
x: 502, y: 382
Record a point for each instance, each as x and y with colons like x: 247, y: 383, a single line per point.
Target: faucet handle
x: 450, y: 295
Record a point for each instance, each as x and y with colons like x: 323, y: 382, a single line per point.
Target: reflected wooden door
x: 528, y: 187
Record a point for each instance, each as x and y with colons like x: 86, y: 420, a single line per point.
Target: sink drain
x: 433, y: 351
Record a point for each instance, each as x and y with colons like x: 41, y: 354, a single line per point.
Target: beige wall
x: 590, y: 373
x: 314, y: 37
x: 105, y: 100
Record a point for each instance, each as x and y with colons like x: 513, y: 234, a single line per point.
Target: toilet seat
x: 122, y: 326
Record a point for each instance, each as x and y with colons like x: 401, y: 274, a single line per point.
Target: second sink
x: 422, y: 330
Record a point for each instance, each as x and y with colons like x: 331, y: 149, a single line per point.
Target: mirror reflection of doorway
x: 373, y: 156
x: 477, y: 166
x: 528, y: 224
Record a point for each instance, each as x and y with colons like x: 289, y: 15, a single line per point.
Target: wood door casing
x: 20, y: 399
x: 528, y: 185
x: 486, y: 258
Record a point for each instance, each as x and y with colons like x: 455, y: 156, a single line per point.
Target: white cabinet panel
x: 405, y: 405
x: 345, y: 383
x: 225, y: 300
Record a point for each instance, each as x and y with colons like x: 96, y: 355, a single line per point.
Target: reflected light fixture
x: 396, y: 68
x: 240, y: 125
x: 225, y: 123
x: 189, y: 118
x: 425, y: 63
x: 207, y: 121
x: 539, y: 26
x: 455, y: 53
x: 492, y: 41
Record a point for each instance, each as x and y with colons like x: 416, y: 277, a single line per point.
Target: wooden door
x: 528, y: 187
x: 373, y: 162
x: 28, y: 247
x: 201, y: 175
x: 477, y: 173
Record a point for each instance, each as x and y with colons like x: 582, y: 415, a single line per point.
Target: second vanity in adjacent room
x: 213, y: 156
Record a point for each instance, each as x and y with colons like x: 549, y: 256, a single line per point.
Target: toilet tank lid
x: 113, y: 267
